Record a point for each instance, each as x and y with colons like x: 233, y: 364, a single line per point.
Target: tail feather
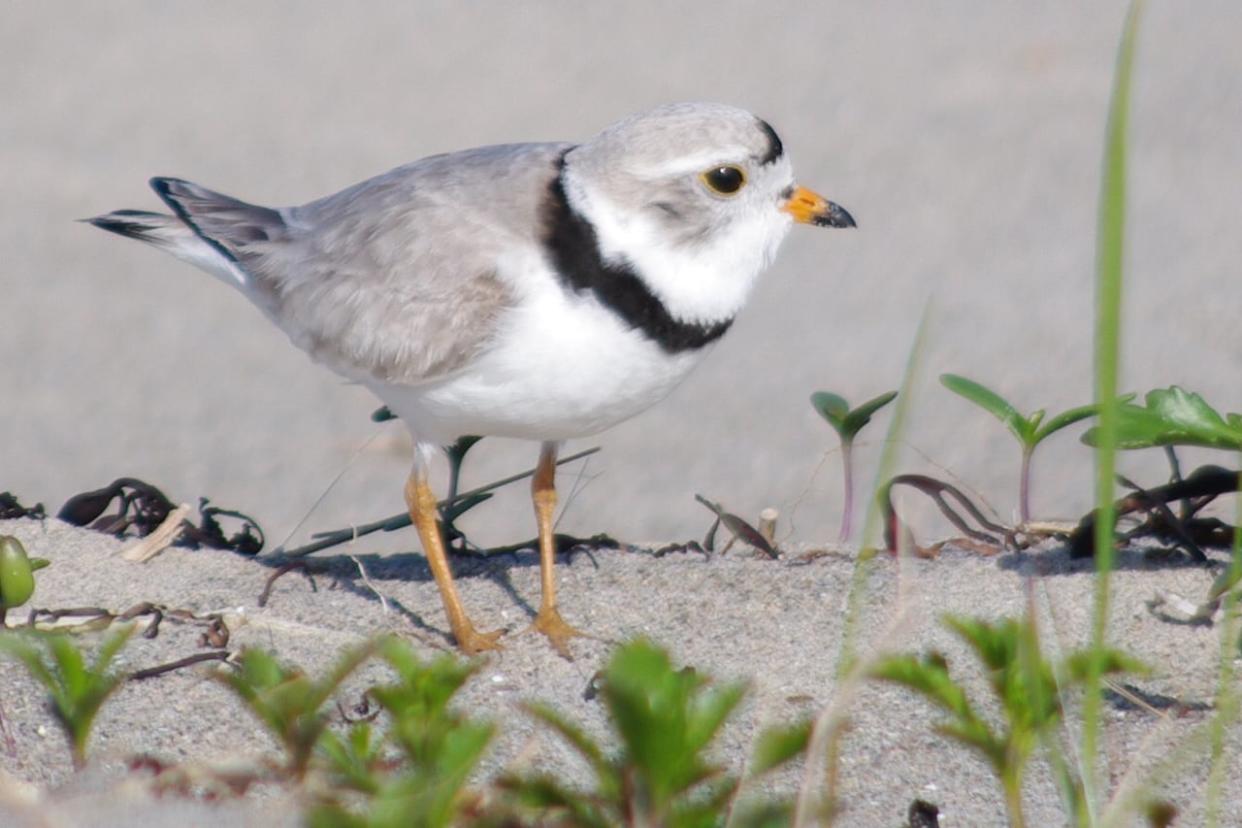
x: 224, y: 222
x: 153, y: 228
x: 214, y: 232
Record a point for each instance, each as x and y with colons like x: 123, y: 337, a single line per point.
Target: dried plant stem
x: 159, y: 540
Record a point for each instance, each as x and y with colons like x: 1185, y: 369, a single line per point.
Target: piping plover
x: 542, y: 291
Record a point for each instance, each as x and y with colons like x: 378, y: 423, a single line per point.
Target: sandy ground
x: 777, y: 624
x: 965, y: 138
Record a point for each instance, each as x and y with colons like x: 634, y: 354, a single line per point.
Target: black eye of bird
x: 724, y: 180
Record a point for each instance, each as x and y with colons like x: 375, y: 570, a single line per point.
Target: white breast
x: 561, y: 366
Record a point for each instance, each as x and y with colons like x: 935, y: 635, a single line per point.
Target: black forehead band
x: 775, y: 148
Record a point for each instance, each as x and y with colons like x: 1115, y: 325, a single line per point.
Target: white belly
x: 561, y: 367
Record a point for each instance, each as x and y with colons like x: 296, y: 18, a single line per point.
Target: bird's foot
x: 472, y: 642
x: 550, y: 623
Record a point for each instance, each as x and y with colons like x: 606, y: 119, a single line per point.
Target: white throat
x: 705, y: 283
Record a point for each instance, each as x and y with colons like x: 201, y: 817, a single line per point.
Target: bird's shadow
x: 1056, y: 560
x: 364, y: 574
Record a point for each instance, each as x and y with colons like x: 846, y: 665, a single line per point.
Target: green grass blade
x: 871, y: 525
x: 779, y: 744
x: 1228, y: 705
x: 1110, y: 261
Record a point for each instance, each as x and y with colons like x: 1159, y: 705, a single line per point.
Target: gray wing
x: 396, y: 278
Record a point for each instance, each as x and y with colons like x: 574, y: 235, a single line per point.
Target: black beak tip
x: 836, y: 216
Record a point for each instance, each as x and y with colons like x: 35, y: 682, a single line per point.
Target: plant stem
x: 1024, y: 485
x: 847, y: 467
x: 1011, y: 781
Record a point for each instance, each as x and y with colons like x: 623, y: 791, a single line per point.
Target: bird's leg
x: 422, y: 503
x: 543, y: 492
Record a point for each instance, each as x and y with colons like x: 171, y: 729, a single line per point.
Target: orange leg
x: 543, y: 492
x: 422, y: 505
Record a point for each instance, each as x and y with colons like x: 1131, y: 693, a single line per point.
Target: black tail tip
x: 166, y: 185
x: 134, y: 224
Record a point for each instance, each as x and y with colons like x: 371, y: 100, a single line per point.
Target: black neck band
x: 573, y: 249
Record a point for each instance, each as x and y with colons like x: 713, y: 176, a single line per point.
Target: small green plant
x: 1173, y: 416
x: 287, y: 702
x: 1027, y: 687
x: 847, y: 423
x: 1170, y: 418
x: 439, y: 748
x: 1030, y: 430
x: 665, y: 720
x: 76, y: 691
x: 17, y: 582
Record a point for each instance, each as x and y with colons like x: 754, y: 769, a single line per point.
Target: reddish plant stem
x: 1024, y: 486
x: 847, y: 510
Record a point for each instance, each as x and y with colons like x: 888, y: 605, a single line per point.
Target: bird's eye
x: 724, y: 180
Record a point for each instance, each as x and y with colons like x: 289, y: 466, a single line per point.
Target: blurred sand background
x: 965, y: 137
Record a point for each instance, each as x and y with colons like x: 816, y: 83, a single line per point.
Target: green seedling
x: 1027, y: 687
x: 17, y: 582
x: 1173, y: 417
x: 356, y: 760
x: 438, y: 749
x: 665, y: 721
x: 76, y: 691
x: 1170, y: 418
x: 1030, y: 430
x: 289, y: 704
x: 847, y: 423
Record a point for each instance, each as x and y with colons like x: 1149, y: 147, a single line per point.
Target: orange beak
x: 809, y: 207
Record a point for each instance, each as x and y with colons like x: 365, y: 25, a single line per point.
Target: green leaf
x: 289, y: 703
x: 354, y: 760
x: 545, y: 795
x: 779, y: 745
x: 77, y: 693
x: 832, y: 407
x: 1112, y: 662
x: 665, y: 720
x: 1172, y: 417
x: 847, y: 423
x: 929, y: 677
x: 1224, y: 582
x: 991, y: 402
x: 708, y: 712
x: 705, y: 810
x: 767, y: 813
x: 576, y: 736
x: 859, y: 417
x: 1064, y: 420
